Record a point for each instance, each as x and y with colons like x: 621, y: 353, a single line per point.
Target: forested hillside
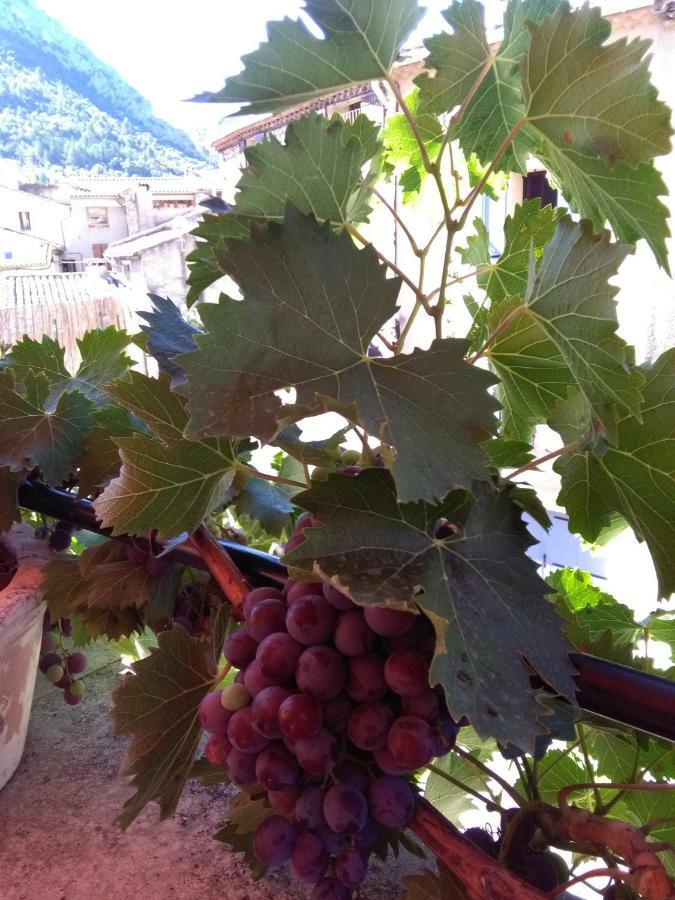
x: 61, y: 106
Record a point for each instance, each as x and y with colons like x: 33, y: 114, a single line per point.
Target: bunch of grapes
x: 60, y: 665
x: 330, y: 713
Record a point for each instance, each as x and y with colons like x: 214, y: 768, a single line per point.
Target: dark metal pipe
x: 636, y: 699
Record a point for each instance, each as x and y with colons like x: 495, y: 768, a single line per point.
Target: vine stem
x: 416, y: 308
x: 617, y: 874
x: 567, y: 448
x: 408, y: 233
x: 454, y: 281
x: 572, y: 788
x: 486, y: 770
x: 599, y: 808
x: 221, y: 566
x: 500, y: 329
x: 265, y: 476
x: 491, y: 805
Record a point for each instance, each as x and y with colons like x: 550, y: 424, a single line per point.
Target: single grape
x: 309, y: 859
x: 337, y: 599
x: 351, y: 868
x: 412, y: 742
x: 278, y: 655
x: 49, y: 660
x: 55, y: 673
x: 241, y: 767
x: 345, y: 808
x: 309, y: 809
x: 240, y: 648
x: 217, y: 749
x: 256, y: 681
x: 265, y: 711
x: 284, y: 802
x: 329, y: 889
x: 64, y: 683
x: 424, y: 706
x: 350, y: 457
x: 274, y: 841
x: 369, y: 725
x: 300, y: 716
x: 407, y: 673
x: 242, y: 733
x: 47, y: 623
x: 257, y: 595
x: 391, y: 801
x: 389, y: 622
x: 365, y: 679
x: 540, y: 872
x: 59, y: 540
x: 267, y: 617
x: 235, y: 696
x: 72, y: 699
x: 48, y: 644
x: 276, y: 769
x: 310, y: 620
x: 480, y: 838
x: 336, y: 713
x: 318, y: 754
x: 212, y: 716
x: 299, y: 589
x: 66, y: 627
x: 353, y: 636
x: 521, y: 838
x: 388, y: 764
x: 321, y: 673
x: 446, y: 734
x: 76, y: 688
x: 420, y: 637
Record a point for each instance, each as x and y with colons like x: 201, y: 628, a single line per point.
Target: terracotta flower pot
x: 21, y: 613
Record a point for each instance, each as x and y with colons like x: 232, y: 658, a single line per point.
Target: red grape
x: 369, y: 725
x: 365, y: 679
x: 274, y: 841
x: 267, y: 617
x: 353, y: 636
x: 309, y: 859
x: 321, y: 672
x: 278, y: 655
x: 265, y: 711
x: 391, y: 801
x: 412, y: 742
x: 300, y: 716
x: 242, y: 733
x: 213, y: 717
x: 276, y: 768
x: 345, y: 808
x: 239, y: 648
x: 389, y: 622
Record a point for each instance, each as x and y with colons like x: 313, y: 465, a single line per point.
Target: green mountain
x: 60, y: 106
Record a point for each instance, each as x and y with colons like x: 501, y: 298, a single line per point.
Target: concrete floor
x: 58, y: 840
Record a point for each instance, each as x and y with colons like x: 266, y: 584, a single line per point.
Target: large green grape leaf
x: 318, y: 169
x: 31, y: 434
x: 361, y: 40
x: 448, y: 798
x: 498, y: 103
x: 477, y: 585
x: 456, y: 59
x: 312, y: 303
x: 634, y: 476
x: 157, y: 706
x: 565, y: 332
x: 402, y: 149
x: 526, y: 232
x: 100, y: 460
x: 593, y: 97
x: 166, y: 481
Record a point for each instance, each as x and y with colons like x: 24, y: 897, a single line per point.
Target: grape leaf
x: 635, y: 477
x: 265, y: 503
x: 526, y: 231
x: 574, y: 86
x: 312, y: 303
x: 208, y: 775
x: 32, y: 435
x: 318, y: 169
x: 157, y: 706
x: 499, y: 103
x: 100, y: 460
x: 361, y: 40
x: 566, y: 330
x: 325, y: 452
x: 211, y: 233
x: 448, y: 798
x: 504, y: 453
x: 639, y: 808
x: 616, y: 755
x: 168, y: 334
x: 557, y: 772
x: 244, y: 814
x: 166, y: 481
x: 663, y: 629
x: 478, y: 587
x: 402, y: 149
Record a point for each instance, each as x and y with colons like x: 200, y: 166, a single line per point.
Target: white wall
x: 81, y: 238
x: 46, y: 216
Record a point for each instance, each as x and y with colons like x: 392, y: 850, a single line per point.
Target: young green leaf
x: 477, y: 585
x: 402, y: 149
x: 361, y: 40
x: 166, y: 481
x: 312, y: 303
x: 324, y: 452
x: 504, y: 453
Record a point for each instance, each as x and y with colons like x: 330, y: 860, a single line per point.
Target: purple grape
x: 309, y: 809
x: 77, y: 663
x: 388, y: 764
x: 213, y: 717
x: 446, y: 734
x: 241, y: 767
x: 239, y: 648
x: 48, y: 643
x: 321, y: 673
x: 217, y: 749
x: 424, y: 706
x: 276, y: 769
x: 337, y: 600
x: 345, y: 808
x: 257, y: 595
x: 412, y: 742
x: 407, y: 673
x: 369, y: 725
x: 299, y: 589
x: 283, y: 802
x: 265, y: 711
x: 540, y: 872
x: 274, y: 841
x: 389, y: 622
x: 309, y: 859
x: 329, y: 889
x: 266, y: 618
x: 255, y: 679
x: 300, y: 716
x: 336, y: 713
x: 365, y: 679
x: 242, y: 733
x: 391, y: 801
x: 49, y: 660
x: 310, y: 620
x: 318, y: 754
x: 278, y: 655
x: 59, y: 540
x: 351, y: 868
x: 481, y: 839
x: 66, y: 627
x: 72, y: 699
x: 353, y: 636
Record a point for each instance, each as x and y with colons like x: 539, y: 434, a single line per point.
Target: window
x: 97, y: 217
x: 24, y: 221
x: 535, y: 184
x: 98, y: 250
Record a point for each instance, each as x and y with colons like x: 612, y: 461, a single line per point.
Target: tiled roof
x: 108, y: 185
x: 55, y: 288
